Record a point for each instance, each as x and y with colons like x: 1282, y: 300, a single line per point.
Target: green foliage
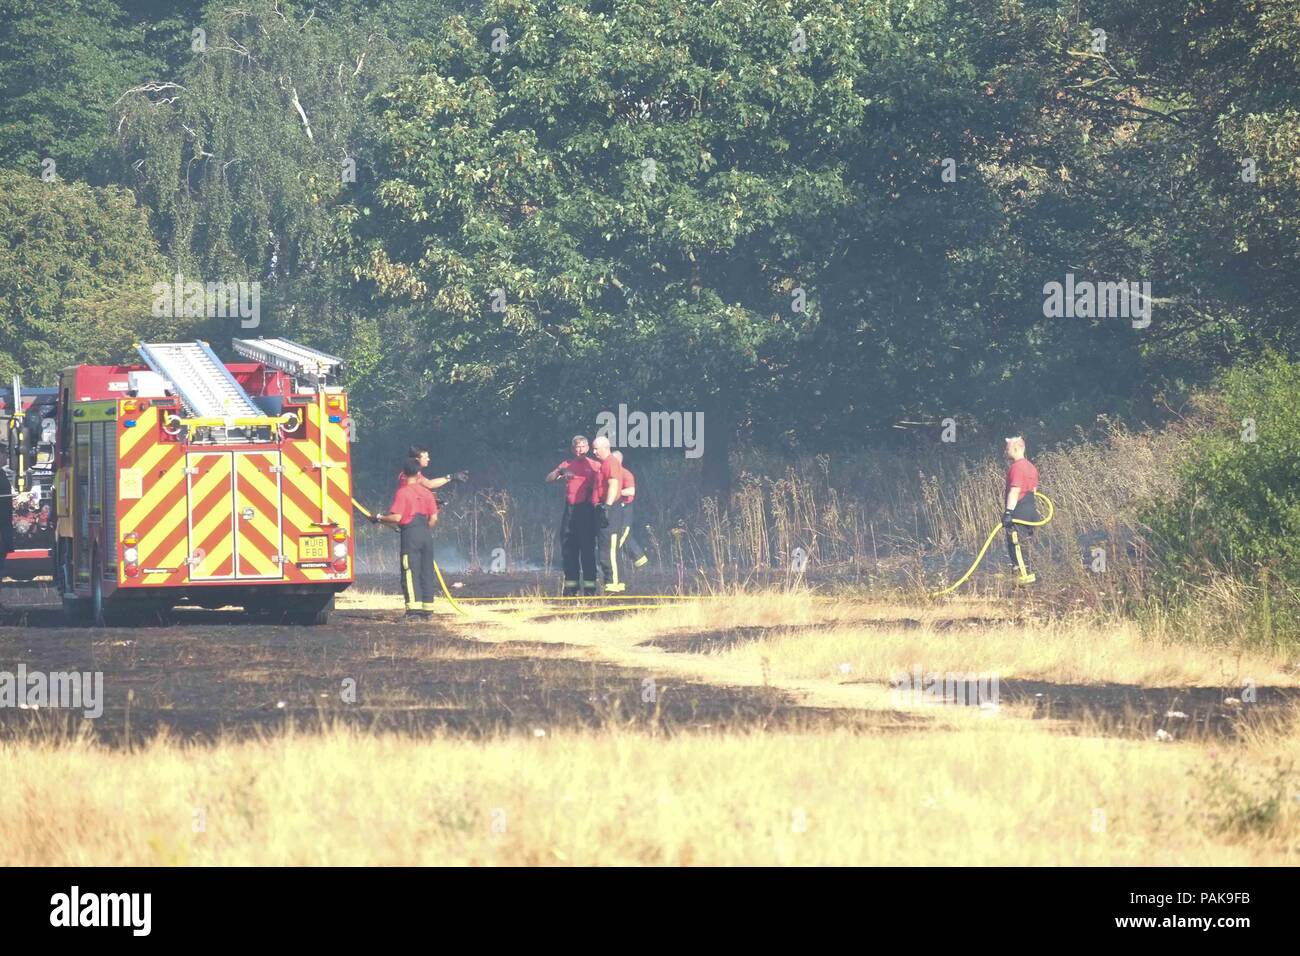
x: 240, y: 154
x: 652, y: 183
x: 62, y: 66
x: 1238, y: 508
x: 77, y: 264
x: 649, y: 185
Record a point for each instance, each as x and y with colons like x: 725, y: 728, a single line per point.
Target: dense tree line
x: 825, y: 225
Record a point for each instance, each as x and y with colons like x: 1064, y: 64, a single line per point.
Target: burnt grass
x: 205, y: 675
x: 208, y: 675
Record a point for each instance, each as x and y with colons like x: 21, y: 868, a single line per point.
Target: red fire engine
x: 187, y: 481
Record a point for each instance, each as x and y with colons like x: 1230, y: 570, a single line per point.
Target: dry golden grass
x: 965, y: 635
x: 952, y: 786
x: 995, y: 793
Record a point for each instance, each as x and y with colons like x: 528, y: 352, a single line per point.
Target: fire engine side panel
x: 151, y: 500
x: 305, y: 514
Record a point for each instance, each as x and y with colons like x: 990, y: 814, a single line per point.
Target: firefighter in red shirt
x: 606, y: 496
x: 421, y: 456
x: 578, y: 526
x: 628, y: 494
x: 415, y: 511
x: 1022, y: 481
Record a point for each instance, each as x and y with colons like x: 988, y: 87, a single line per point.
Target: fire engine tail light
x: 130, y: 554
x: 340, y: 549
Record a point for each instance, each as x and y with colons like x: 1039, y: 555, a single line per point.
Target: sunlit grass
x: 993, y: 793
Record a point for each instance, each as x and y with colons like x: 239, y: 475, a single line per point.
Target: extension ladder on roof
x: 298, y: 360
x: 205, y: 385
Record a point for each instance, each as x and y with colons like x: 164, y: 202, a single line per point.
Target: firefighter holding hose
x: 578, y: 525
x: 1021, y: 505
x: 415, y: 511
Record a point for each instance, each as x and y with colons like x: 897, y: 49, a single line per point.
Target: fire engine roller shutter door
x: 258, y: 544
x: 210, y: 481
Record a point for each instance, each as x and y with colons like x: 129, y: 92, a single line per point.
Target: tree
x: 77, y: 266
x: 62, y: 66
x: 622, y: 202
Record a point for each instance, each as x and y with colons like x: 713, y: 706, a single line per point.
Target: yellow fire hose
x: 1050, y: 510
x: 606, y: 597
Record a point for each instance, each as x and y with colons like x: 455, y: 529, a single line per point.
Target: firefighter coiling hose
x: 1015, y: 540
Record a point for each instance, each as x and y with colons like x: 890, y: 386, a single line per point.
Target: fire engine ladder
x: 206, y: 387
x: 304, y: 364
x: 298, y: 360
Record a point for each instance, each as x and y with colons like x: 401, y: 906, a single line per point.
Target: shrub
x: 1237, y: 506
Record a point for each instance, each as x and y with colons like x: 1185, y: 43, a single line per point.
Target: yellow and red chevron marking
x: 134, y: 443
x: 158, y: 516
x: 301, y: 486
x: 177, y: 515
x: 212, y: 532
x: 306, y: 455
x: 257, y: 493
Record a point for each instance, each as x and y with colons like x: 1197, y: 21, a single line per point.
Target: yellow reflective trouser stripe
x: 613, y: 557
x: 429, y: 605
x: 1020, y: 558
x: 408, y: 582
x: 626, y: 532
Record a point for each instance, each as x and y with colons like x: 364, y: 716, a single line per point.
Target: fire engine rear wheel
x: 311, y: 611
x: 75, y: 611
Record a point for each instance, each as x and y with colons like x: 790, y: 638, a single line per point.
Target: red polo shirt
x: 610, y: 469
x: 1023, y: 475
x: 628, y: 493
x: 411, y: 500
x: 578, y: 487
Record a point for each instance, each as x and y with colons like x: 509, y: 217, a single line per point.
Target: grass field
x: 741, y: 729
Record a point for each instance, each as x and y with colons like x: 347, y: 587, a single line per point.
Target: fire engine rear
x: 187, y: 481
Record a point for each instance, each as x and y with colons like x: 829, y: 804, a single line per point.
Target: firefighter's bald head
x: 1015, y: 447
x: 601, y: 447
